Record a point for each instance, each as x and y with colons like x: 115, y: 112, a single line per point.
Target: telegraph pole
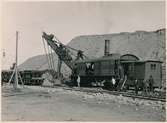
x: 16, y: 71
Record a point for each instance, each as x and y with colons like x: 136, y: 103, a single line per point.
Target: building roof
x: 114, y: 56
x: 104, y: 58
x: 141, y: 61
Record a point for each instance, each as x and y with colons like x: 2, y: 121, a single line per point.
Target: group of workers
x: 147, y: 84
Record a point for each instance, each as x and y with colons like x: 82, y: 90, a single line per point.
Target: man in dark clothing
x: 136, y: 86
x: 151, y: 84
x: 80, y: 55
x: 120, y: 71
x: 145, y: 85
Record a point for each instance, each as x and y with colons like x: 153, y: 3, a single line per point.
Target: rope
x: 52, y: 61
x: 49, y: 58
x: 69, y: 50
x: 46, y: 53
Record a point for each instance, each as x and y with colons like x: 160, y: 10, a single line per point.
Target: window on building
x: 153, y: 66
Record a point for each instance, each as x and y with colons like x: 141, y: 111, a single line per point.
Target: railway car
x: 125, y: 69
x: 32, y: 77
x: 95, y: 71
x: 142, y: 70
x: 29, y: 77
x: 5, y: 75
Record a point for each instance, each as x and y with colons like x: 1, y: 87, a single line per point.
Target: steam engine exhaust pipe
x: 107, y: 48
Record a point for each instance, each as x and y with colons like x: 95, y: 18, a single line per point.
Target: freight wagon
x: 29, y: 77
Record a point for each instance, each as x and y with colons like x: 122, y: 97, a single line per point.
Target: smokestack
x: 107, y: 48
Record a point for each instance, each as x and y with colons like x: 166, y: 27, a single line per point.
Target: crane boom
x: 61, y: 50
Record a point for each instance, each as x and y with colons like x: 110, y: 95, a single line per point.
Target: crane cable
x: 52, y: 61
x: 49, y: 60
x: 46, y: 54
x: 49, y: 57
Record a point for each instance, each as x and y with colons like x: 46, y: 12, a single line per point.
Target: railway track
x: 97, y: 90
x: 117, y: 93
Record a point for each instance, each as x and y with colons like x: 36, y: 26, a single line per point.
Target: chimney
x: 107, y: 48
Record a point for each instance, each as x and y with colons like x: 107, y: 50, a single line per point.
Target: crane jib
x: 59, y: 49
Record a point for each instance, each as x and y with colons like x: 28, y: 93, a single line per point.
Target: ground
x: 57, y: 104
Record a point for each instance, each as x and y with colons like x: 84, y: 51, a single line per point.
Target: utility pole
x: 15, y: 71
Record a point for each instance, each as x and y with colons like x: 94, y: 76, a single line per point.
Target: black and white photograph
x: 77, y: 61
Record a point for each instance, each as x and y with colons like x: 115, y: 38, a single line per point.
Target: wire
x: 69, y: 55
x: 46, y: 53
x: 49, y: 57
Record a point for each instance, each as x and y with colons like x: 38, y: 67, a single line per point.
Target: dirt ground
x: 56, y: 104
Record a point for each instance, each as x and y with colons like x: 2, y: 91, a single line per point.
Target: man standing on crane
x: 80, y: 55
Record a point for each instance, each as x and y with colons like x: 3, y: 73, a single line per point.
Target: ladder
x: 125, y: 79
x: 121, y: 83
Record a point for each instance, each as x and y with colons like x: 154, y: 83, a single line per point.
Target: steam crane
x: 64, y: 52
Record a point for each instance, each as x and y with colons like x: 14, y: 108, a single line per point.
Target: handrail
x: 124, y: 82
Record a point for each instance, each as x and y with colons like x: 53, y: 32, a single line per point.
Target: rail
x: 117, y: 93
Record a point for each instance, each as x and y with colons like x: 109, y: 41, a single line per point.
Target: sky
x: 66, y: 20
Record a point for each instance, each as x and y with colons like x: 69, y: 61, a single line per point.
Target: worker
x: 60, y: 49
x: 88, y: 67
x: 13, y: 66
x: 151, y: 84
x: 136, y: 86
x: 113, y: 82
x: 51, y: 36
x: 120, y: 71
x: 146, y: 85
x: 78, y: 81
x: 80, y: 55
x: 91, y: 68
